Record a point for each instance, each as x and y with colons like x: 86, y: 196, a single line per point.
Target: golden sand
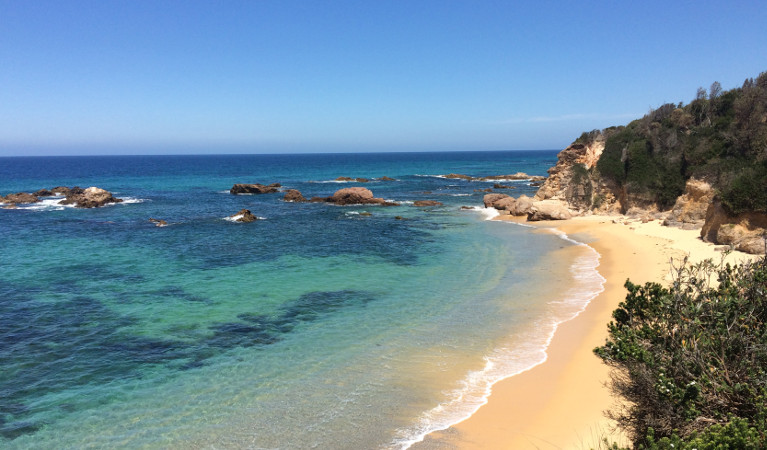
x: 560, y: 403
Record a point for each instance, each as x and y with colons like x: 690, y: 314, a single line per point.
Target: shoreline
x: 559, y: 403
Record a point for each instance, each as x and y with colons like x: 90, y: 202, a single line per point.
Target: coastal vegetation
x: 720, y: 137
x: 690, y: 359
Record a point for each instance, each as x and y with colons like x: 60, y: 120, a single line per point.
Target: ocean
x: 317, y: 326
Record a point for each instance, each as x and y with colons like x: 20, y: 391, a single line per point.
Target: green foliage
x: 714, y: 138
x: 747, y: 191
x: 691, y: 358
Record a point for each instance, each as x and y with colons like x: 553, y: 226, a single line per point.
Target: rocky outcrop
x: 19, y: 198
x: 385, y: 178
x: 353, y: 196
x: 427, y: 203
x: 745, y: 232
x: 243, y: 188
x: 293, y: 195
x: 358, y: 180
x: 91, y: 197
x: 549, y: 210
x: 571, y: 180
x: 690, y: 208
x: 60, y: 190
x: 490, y: 199
x: 243, y: 215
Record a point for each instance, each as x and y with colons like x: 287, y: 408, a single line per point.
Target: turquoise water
x: 316, y: 327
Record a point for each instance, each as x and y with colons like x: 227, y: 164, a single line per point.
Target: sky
x: 283, y: 76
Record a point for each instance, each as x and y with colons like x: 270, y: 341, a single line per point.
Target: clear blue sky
x: 134, y: 76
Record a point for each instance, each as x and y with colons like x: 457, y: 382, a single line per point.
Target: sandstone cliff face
x: 745, y: 232
x: 571, y: 180
x: 689, y: 211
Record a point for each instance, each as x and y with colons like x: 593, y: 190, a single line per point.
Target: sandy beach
x: 559, y: 404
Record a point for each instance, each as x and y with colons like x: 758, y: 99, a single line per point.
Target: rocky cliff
x: 696, y: 166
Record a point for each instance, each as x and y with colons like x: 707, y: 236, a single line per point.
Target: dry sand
x: 559, y: 404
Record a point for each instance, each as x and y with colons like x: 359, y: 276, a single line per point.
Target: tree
x: 715, y: 90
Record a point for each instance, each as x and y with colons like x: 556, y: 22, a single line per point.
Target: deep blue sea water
x: 316, y: 327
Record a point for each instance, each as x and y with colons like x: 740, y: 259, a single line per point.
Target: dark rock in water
x: 20, y: 198
x: 399, y: 218
x: 92, y: 197
x: 427, y: 203
x: 158, y: 222
x: 484, y: 190
x: 536, y: 184
x: 60, y: 190
x: 385, y: 179
x: 243, y: 215
x: 467, y: 208
x: 293, y: 195
x: 366, y: 214
x: 454, y: 176
x: 354, y: 196
x: 243, y: 188
x: 43, y: 193
x: 358, y: 180
x: 502, y: 186
x: 318, y: 199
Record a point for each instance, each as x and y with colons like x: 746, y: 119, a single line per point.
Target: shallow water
x: 316, y: 327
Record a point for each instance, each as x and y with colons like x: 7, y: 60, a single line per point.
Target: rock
x: 358, y: 180
x: 242, y: 188
x: 427, y: 203
x: 44, y: 193
x: 92, y: 197
x: 484, y: 190
x: 516, y: 176
x: 293, y: 195
x: 745, y: 232
x: 489, y: 199
x: 505, y: 203
x: 515, y: 206
x: 158, y: 222
x: 243, y: 215
x: 502, y: 186
x: 366, y: 214
x: 549, y: 210
x: 572, y: 180
x: 458, y: 176
x: 60, y: 190
x: 20, y: 198
x: 690, y: 208
x: 399, y: 218
x: 385, y: 179
x: 354, y: 196
x: 10, y: 206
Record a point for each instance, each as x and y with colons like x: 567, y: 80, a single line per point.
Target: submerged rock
x: 244, y: 188
x: 358, y: 180
x: 427, y: 203
x: 158, y: 222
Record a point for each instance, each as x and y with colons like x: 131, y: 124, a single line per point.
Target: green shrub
x: 691, y: 359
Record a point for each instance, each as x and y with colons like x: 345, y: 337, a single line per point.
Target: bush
x: 691, y: 358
